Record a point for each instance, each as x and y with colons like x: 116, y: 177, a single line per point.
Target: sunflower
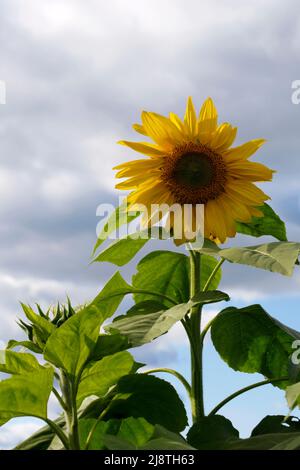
x: 191, y: 161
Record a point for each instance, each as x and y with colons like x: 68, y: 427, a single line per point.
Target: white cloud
x: 16, y: 431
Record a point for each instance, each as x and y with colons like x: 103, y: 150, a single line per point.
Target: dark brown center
x: 194, y: 174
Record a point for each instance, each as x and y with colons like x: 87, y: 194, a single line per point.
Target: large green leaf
x: 212, y: 433
x: 109, y: 344
x: 116, y: 220
x: 278, y: 257
x: 273, y: 441
x: 269, y: 224
x: 163, y: 439
x: 167, y: 273
x: 17, y: 363
x: 26, y: 395
x: 99, y: 376
x: 250, y: 340
x: 70, y: 346
x: 141, y: 329
x: 276, y: 423
x: 123, y: 250
x: 137, y: 431
x: 112, y: 294
x: 140, y: 395
x: 290, y: 443
x: 100, y: 430
x: 143, y: 308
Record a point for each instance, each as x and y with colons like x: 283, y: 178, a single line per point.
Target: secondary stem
x: 175, y: 373
x: 243, y: 390
x: 213, y: 273
x: 195, y: 340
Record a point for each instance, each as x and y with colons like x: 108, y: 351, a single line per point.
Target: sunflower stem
x: 196, y: 345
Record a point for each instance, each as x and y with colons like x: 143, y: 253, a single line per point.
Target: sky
x: 77, y: 75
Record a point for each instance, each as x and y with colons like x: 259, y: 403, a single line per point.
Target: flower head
x: 191, y: 161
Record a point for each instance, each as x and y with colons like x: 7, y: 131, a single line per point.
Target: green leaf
x: 140, y: 395
x: 99, y: 376
x: 276, y: 423
x: 140, y: 436
x: 278, y: 257
x: 291, y: 443
x: 42, y: 438
x: 275, y: 441
x: 17, y: 363
x: 102, y: 428
x: 250, y: 340
x: 136, y: 431
x: 141, y: 329
x: 167, y: 273
x: 122, y: 251
x: 112, y: 295
x: 210, y: 297
x: 38, y: 441
x: 117, y: 443
x: 116, y: 220
x: 42, y: 328
x: 212, y: 433
x: 70, y: 346
x: 24, y: 344
x: 269, y: 224
x: 143, y: 308
x: 109, y: 344
x: 293, y: 395
x: 26, y: 395
x: 163, y: 439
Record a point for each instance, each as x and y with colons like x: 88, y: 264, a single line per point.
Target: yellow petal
x: 148, y: 193
x: 239, y: 211
x: 251, y: 171
x: 208, y: 118
x: 246, y: 192
x: 244, y: 151
x: 137, y: 167
x: 228, y: 216
x: 223, y: 137
x: 215, y: 220
x: 190, y: 118
x: 178, y: 123
x: 161, y: 130
x: 144, y: 147
x: 134, y: 182
x: 140, y: 129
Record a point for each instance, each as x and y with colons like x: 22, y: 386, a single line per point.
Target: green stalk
x: 172, y: 372
x: 243, y: 390
x: 212, y: 274
x: 59, y: 432
x: 68, y: 389
x: 196, y: 345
